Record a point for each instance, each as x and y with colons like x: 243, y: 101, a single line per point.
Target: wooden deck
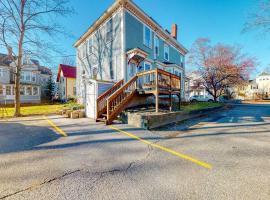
x: 156, y: 82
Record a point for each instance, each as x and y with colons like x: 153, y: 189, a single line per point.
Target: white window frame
x: 9, y: 86
x: 109, y: 30
x: 156, y: 45
x: 90, y: 45
x: 35, y: 93
x: 28, y: 74
x: 28, y: 92
x: 166, y: 46
x: 144, y: 38
x: 1, y: 72
x: 2, y: 89
x: 147, y: 63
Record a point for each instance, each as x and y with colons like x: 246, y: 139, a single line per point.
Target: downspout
x: 124, y: 58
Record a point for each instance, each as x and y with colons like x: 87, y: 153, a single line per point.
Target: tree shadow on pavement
x: 15, y: 137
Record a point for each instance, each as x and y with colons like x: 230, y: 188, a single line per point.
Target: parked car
x: 202, y: 98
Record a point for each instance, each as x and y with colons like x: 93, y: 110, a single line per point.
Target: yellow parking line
x: 56, y: 128
x: 200, y: 163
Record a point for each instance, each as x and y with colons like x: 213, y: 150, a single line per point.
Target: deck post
x: 157, y: 101
x: 179, y: 100
x: 170, y: 101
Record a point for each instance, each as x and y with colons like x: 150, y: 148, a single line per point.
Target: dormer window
x: 147, y: 36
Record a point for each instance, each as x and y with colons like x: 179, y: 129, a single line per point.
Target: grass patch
x: 200, y: 106
x: 36, y: 110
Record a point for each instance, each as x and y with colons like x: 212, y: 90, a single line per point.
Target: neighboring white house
x: 31, y: 82
x: 196, y: 87
x: 259, y: 88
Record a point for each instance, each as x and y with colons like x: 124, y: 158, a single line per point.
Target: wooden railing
x: 117, y: 101
x: 158, y: 79
x: 102, y: 99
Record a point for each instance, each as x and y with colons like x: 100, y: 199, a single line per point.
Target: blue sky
x: 220, y: 20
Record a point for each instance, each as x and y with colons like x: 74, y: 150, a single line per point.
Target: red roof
x: 68, y: 71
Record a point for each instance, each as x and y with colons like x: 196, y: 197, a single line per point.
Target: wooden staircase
x: 102, y: 101
x: 116, y: 100
x: 111, y: 103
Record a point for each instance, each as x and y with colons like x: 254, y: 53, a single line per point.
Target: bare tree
x: 99, y: 49
x: 220, y: 66
x: 259, y: 20
x: 27, y: 28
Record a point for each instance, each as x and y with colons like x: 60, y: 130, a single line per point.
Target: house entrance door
x: 131, y: 70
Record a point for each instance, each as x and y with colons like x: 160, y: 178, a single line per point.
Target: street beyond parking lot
x: 223, y: 156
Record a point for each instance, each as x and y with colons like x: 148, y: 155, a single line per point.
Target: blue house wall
x: 134, y: 39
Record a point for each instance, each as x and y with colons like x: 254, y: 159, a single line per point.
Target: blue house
x: 126, y: 56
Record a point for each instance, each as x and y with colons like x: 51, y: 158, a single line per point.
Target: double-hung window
x: 156, y: 46
x: 147, y: 36
x: 109, y: 30
x: 90, y: 46
x: 22, y: 76
x: 34, y: 77
x: 1, y: 90
x: 35, y: 91
x: 8, y: 90
x: 29, y: 90
x: 28, y: 76
x: 181, y: 60
x: 1, y: 72
x: 22, y: 91
x: 166, y: 52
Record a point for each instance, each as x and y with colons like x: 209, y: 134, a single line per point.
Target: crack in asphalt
x: 40, y: 184
x: 101, y: 174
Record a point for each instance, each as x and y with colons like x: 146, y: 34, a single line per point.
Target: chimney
x: 174, y: 31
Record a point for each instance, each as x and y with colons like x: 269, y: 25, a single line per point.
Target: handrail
x: 101, y: 100
x: 158, y: 78
x: 119, y: 83
x: 125, y: 86
x: 116, y: 102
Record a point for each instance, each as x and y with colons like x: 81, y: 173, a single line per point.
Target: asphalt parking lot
x: 222, y: 156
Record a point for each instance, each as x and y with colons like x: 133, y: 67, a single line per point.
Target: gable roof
x: 138, y: 12
x: 4, y: 60
x: 45, y: 70
x: 264, y: 74
x: 68, y: 71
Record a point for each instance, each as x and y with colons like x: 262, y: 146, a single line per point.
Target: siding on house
x: 4, y: 74
x: 134, y: 39
x: 108, y: 65
x: 70, y: 85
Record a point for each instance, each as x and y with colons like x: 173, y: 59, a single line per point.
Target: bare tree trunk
x: 19, y: 64
x: 17, y: 112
